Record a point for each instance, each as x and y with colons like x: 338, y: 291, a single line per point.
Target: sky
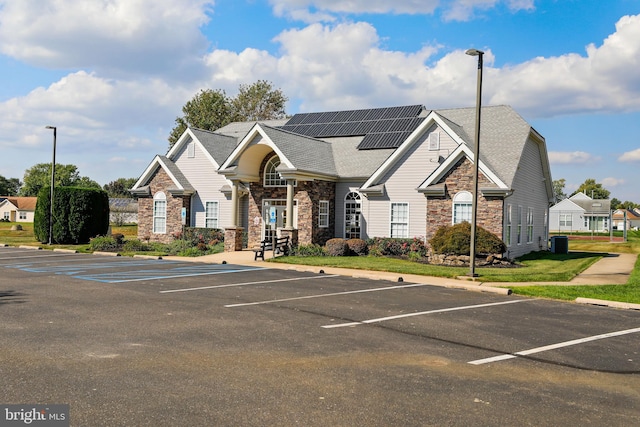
x: 113, y: 75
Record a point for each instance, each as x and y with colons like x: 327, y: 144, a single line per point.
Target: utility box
x: 559, y: 245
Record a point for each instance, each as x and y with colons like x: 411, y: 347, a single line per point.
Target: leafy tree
x: 558, y: 189
x: 10, y: 186
x: 120, y: 187
x: 593, y: 189
x: 259, y: 101
x: 615, y: 203
x: 628, y: 205
x: 211, y: 109
x: 208, y: 110
x: 39, y: 176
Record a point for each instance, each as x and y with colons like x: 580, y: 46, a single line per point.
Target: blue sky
x: 112, y: 75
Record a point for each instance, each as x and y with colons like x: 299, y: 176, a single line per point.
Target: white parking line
x: 247, y: 283
x: 420, y: 313
x: 327, y: 295
x: 553, y: 346
x: 36, y: 256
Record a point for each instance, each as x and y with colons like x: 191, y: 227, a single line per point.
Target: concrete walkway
x: 610, y: 270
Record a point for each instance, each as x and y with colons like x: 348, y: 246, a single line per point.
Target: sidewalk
x: 611, y: 270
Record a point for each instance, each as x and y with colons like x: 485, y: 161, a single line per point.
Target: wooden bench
x: 280, y: 244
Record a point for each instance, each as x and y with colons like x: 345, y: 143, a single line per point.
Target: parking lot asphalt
x: 166, y: 342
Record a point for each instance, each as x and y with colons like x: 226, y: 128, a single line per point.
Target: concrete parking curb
x: 148, y: 256
x: 68, y: 251
x: 606, y: 303
x: 107, y: 253
x: 30, y: 247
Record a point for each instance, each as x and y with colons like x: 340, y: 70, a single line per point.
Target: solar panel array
x: 381, y: 127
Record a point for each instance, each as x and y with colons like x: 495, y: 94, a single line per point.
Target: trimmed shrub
x: 103, y: 243
x: 134, y: 245
x: 199, y: 235
x: 308, y: 250
x: 456, y: 240
x: 385, y: 246
x: 78, y: 214
x: 337, y: 247
x: 358, y: 246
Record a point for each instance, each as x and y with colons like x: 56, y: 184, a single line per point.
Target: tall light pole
x: 53, y: 175
x: 476, y: 160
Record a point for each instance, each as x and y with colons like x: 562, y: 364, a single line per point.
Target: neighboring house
x: 632, y: 219
x: 580, y: 213
x: 123, y: 210
x: 382, y: 172
x: 18, y: 209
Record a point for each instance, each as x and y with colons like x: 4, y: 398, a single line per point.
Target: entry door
x: 276, y: 209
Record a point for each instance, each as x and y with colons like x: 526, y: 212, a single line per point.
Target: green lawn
x: 537, y: 267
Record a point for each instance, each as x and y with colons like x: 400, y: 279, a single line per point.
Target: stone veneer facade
x: 308, y: 194
x: 160, y: 181
x: 460, y: 178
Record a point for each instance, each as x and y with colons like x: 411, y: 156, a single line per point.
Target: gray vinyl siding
x: 401, y: 183
x: 202, y: 174
x: 529, y: 191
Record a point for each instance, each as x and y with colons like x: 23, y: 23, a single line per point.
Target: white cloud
x: 605, y: 80
x: 612, y: 182
x: 120, y: 36
x: 317, y: 65
x: 571, y: 157
x: 452, y: 10
x: 630, y: 156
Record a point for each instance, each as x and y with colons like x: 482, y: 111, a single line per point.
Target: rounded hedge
x: 456, y: 240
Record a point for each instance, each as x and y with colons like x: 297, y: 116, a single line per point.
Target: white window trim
x: 349, y: 201
x: 160, y: 197
x: 392, y: 222
x: 529, y: 225
x: 215, y: 218
x: 508, y: 221
x: 323, y: 214
x: 434, y: 141
x: 461, y: 198
x: 281, y: 182
x: 519, y: 225
x: 191, y: 150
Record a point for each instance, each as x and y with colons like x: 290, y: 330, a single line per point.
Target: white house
x: 18, y: 209
x: 380, y: 172
x: 580, y: 213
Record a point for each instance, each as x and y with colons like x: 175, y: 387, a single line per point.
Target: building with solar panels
x: 382, y: 172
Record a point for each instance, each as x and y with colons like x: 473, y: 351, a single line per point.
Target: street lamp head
x: 50, y: 127
x: 474, y: 52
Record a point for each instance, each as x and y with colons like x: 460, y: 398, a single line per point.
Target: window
x: 160, y: 213
x: 211, y: 215
x: 529, y: 225
x: 323, y: 214
x: 519, y: 222
x: 399, y: 219
x: 191, y: 150
x: 22, y: 215
x: 507, y: 235
x: 434, y: 141
x: 6, y: 216
x: 566, y: 220
x: 272, y: 177
x: 352, y: 208
x: 462, y: 207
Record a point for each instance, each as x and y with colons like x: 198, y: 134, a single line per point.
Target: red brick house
x: 382, y: 172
